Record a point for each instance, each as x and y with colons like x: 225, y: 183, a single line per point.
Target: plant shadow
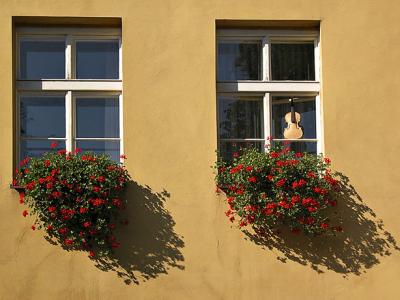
x: 149, y: 244
x: 357, y: 248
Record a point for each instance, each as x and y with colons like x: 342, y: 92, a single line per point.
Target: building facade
x: 164, y: 77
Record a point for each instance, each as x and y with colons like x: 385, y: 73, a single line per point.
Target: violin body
x: 293, y: 129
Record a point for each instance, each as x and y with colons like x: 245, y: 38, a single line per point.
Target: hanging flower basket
x: 279, y: 188
x: 75, y: 198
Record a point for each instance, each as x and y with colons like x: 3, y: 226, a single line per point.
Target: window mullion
x: 265, y: 58
x: 267, y: 117
x: 69, y: 121
x: 319, y: 124
x: 68, y: 57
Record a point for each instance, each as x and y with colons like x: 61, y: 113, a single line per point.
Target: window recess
x: 68, y: 90
x: 258, y: 71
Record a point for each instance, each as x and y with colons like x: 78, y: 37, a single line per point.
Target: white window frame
x: 69, y: 86
x: 266, y: 88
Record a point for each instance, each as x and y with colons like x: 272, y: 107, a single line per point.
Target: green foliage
x: 280, y: 187
x: 75, y: 198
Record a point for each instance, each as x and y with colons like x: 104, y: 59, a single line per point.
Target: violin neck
x: 292, y: 114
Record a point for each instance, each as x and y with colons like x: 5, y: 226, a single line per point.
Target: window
x: 259, y: 73
x: 68, y: 90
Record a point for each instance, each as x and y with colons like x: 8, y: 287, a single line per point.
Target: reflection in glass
x: 292, y: 61
x: 110, y: 148
x: 97, y: 59
x: 239, y: 61
x: 240, y: 117
x: 97, y: 117
x: 42, y: 59
x: 35, y: 148
x: 228, y: 149
x: 42, y: 116
x: 305, y: 106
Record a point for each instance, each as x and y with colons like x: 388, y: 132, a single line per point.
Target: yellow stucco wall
x: 187, y: 249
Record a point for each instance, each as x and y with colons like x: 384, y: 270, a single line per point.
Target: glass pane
x: 101, y: 147
x: 310, y: 147
x: 42, y: 59
x: 35, y: 148
x: 292, y: 61
x: 228, y: 150
x: 240, y: 117
x: 97, y: 117
x: 305, y: 106
x: 239, y: 61
x: 97, y: 60
x: 42, y: 116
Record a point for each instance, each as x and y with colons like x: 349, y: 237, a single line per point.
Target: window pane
x: 42, y: 116
x: 240, y: 117
x: 310, y: 147
x: 292, y: 61
x: 110, y: 148
x: 228, y: 149
x: 97, y: 117
x: 35, y: 148
x: 305, y: 106
x: 97, y: 60
x: 42, y: 59
x: 239, y: 61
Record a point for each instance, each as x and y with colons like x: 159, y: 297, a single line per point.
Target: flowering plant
x: 75, y: 198
x: 280, y: 187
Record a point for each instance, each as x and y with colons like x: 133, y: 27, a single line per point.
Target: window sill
x: 18, y: 188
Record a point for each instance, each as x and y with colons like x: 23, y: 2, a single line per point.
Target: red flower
x: 49, y: 228
x: 249, y: 168
x: 295, y: 199
x: 281, y: 182
x: 78, y: 150
x: 311, y: 175
x: 270, y: 177
x: 274, y: 154
x: 21, y: 197
x: 298, y: 154
x: 33, y: 227
x: 47, y: 163
x: 324, y: 225
x: 62, y: 152
x: 327, y: 160
x: 52, y: 209
x: 30, y: 185
x: 87, y: 224
x: 235, y: 155
x: 63, y: 230
x: 123, y: 156
x: 252, y: 179
x: 115, y: 245
x: 25, y: 213
x: 83, y: 210
x: 49, y: 185
x: 117, y: 202
x: 56, y: 194
x: 53, y: 145
x: 92, y: 254
x: 97, y: 201
x: 96, y: 189
x: 68, y: 242
x: 101, y: 179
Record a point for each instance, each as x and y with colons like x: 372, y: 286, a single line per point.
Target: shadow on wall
x: 358, y: 248
x: 149, y: 245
